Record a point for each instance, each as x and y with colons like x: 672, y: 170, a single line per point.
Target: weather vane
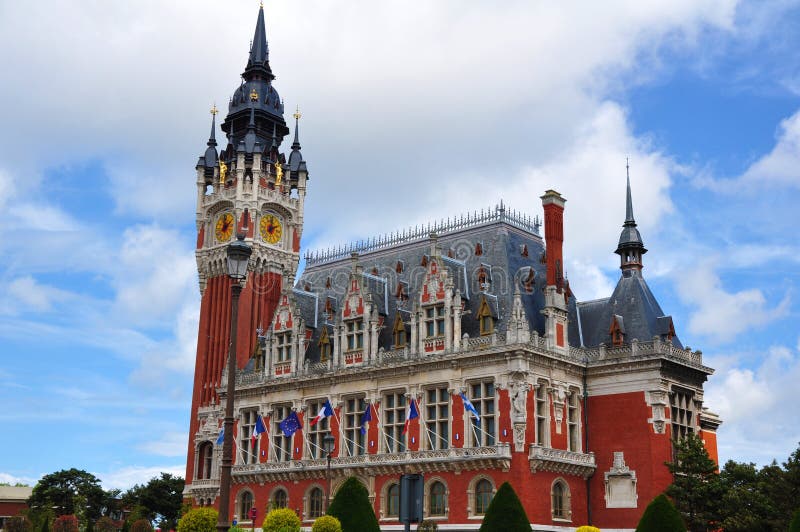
x: 297, y: 114
x: 214, y: 109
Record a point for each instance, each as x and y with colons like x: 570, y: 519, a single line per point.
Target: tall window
x: 434, y: 321
x: 483, y: 496
x: 280, y: 499
x: 560, y: 500
x: 682, y: 410
x: 205, y: 456
x: 541, y: 414
x: 355, y: 334
x: 399, y: 333
x: 315, y: 498
x: 437, y: 417
x: 573, y: 422
x: 485, y: 318
x: 249, y: 451
x: 437, y: 499
x: 243, y: 505
x: 325, y: 347
x: 281, y: 445
x: 354, y: 440
x: 317, y: 432
x: 482, y: 397
x: 284, y: 346
x: 394, y: 418
x: 393, y: 501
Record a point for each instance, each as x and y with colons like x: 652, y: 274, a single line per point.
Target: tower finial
x: 258, y: 62
x: 630, y: 248
x: 212, y: 140
x: 628, y: 200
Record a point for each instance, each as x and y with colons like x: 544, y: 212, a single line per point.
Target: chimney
x: 553, y: 205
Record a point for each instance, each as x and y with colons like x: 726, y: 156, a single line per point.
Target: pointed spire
x: 296, y: 158
x: 211, y: 157
x: 630, y: 248
x: 258, y: 62
x: 212, y: 140
x: 629, y: 202
x: 296, y: 115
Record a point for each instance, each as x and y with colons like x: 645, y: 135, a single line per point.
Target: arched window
x: 393, y: 501
x: 315, y: 498
x: 204, y: 460
x: 280, y: 499
x: 483, y: 495
x: 243, y: 505
x: 560, y: 500
x: 437, y: 499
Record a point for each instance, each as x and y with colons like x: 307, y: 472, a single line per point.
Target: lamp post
x: 327, y: 445
x: 238, y: 256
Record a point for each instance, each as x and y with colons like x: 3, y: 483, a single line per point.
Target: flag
x: 469, y: 407
x: 325, y: 411
x: 411, y: 413
x: 259, y: 429
x: 221, y: 437
x: 366, y: 417
x: 290, y: 425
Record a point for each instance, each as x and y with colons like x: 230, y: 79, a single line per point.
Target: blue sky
x: 409, y: 114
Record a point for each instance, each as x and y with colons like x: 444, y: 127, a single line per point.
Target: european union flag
x: 366, y: 417
x: 290, y: 425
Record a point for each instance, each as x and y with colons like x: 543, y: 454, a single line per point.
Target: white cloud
x: 12, y: 479
x: 26, y: 294
x: 126, y: 477
x: 170, y: 444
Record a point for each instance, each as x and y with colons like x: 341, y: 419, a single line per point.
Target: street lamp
x: 238, y: 256
x: 327, y: 446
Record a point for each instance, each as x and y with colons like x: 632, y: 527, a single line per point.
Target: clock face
x: 224, y: 228
x: 270, y: 228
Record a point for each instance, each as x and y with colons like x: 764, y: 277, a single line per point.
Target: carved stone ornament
x: 559, y: 395
x: 519, y: 437
x: 657, y: 400
x: 519, y: 401
x: 620, y: 484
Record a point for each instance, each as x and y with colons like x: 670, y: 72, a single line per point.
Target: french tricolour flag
x: 325, y: 411
x: 259, y: 429
x: 411, y: 413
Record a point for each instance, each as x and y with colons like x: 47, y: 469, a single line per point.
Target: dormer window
x: 325, y: 348
x: 434, y: 321
x: 617, y: 330
x: 355, y: 334
x: 399, y: 332
x: 485, y: 318
x: 283, y: 348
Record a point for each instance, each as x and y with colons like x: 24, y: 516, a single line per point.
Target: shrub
x: 587, y: 528
x: 66, y: 523
x: 352, y: 507
x: 794, y: 526
x: 198, y: 520
x: 237, y: 528
x: 141, y: 525
x: 281, y: 520
x: 19, y: 523
x: 105, y: 524
x: 428, y: 526
x: 661, y: 516
x: 505, y: 512
x: 326, y: 523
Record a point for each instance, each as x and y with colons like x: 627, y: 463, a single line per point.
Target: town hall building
x: 457, y: 350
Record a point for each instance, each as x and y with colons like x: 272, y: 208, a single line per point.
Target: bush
x: 352, y: 507
x: 661, y: 516
x: 327, y: 523
x: 198, y: 520
x: 105, y: 524
x: 66, y: 523
x: 794, y: 526
x: 19, y: 523
x: 587, y: 528
x: 505, y: 512
x: 281, y: 520
x: 141, y: 525
x: 428, y: 526
x: 237, y: 528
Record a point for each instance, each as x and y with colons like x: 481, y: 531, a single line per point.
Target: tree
x: 69, y: 492
x: 695, y: 488
x: 794, y: 526
x: 352, y: 507
x: 326, y: 523
x: 105, y: 524
x: 198, y: 520
x: 66, y: 523
x: 744, y: 506
x: 505, y: 512
x: 141, y: 525
x: 159, y: 500
x: 661, y: 516
x: 281, y: 520
x: 19, y: 523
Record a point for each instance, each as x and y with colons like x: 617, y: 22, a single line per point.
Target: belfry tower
x: 248, y: 188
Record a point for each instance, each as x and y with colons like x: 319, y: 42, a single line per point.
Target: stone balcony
x: 561, y: 461
x: 453, y: 459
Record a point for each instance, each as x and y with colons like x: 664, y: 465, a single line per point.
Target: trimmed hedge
x: 352, y: 508
x: 196, y: 520
x: 505, y: 512
x: 661, y: 516
x: 281, y: 520
x: 326, y: 523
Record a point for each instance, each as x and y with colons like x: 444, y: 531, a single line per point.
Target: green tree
x: 661, y: 516
x: 326, y: 523
x: 105, y: 524
x: 141, y: 525
x: 505, y: 512
x: 744, y: 506
x: 198, y: 520
x: 159, y: 500
x: 18, y: 523
x: 352, y: 508
x: 69, y: 492
x: 65, y: 523
x: 696, y: 488
x: 794, y: 526
x: 281, y: 520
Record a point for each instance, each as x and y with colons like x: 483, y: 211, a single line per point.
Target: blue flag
x: 290, y: 425
x: 469, y: 407
x: 221, y: 436
x: 366, y: 417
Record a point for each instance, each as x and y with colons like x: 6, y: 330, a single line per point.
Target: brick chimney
x: 553, y: 205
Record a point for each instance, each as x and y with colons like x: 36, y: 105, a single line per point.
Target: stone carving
x: 620, y: 484
x: 519, y: 437
x: 657, y: 399
x: 559, y: 394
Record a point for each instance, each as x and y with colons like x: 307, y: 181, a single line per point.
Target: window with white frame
x: 542, y: 419
x: 281, y: 445
x: 248, y: 450
x: 437, y: 417
x: 243, y: 505
x: 205, y: 457
x: 354, y: 441
x: 394, y: 418
x: 393, y: 500
x: 560, y: 500
x: 482, y: 396
x: 316, y: 433
x: 437, y: 499
x: 434, y: 321
x: 283, y: 346
x: 315, y: 499
x: 354, y: 334
x: 483, y: 496
x: 280, y: 499
x: 573, y: 422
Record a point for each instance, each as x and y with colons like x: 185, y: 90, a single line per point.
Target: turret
x: 630, y: 248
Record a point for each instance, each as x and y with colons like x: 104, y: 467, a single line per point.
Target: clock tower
x: 250, y: 187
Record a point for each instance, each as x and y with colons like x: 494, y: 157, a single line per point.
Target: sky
x: 411, y: 112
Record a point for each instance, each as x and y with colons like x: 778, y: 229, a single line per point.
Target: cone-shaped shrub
x: 195, y: 520
x: 281, y: 520
x: 326, y: 523
x: 352, y: 508
x: 505, y: 513
x: 661, y: 516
